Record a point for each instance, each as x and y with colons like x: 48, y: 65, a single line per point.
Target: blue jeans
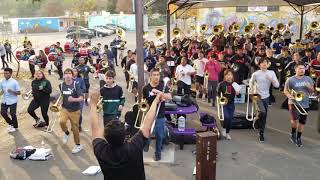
x: 228, y: 111
x: 262, y: 108
x: 159, y: 132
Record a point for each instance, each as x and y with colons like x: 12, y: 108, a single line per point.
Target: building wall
x: 125, y: 20
x: 38, y: 25
x: 228, y: 15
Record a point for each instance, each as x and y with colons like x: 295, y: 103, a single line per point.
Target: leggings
x: 44, y: 105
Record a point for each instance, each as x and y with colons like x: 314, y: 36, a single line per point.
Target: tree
x: 52, y: 8
x: 125, y: 6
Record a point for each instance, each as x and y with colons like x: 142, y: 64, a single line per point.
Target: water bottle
x: 181, y: 123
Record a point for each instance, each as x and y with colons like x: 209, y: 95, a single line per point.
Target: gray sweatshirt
x: 263, y: 84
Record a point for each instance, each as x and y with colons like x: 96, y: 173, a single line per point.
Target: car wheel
x: 100, y: 35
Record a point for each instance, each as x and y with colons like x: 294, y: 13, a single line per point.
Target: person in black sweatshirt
x: 41, y: 90
x: 113, y: 98
x: 226, y: 89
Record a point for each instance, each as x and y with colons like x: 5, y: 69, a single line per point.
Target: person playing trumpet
x: 262, y: 80
x: 41, y: 90
x: 72, y: 97
x: 113, y: 98
x: 298, y: 83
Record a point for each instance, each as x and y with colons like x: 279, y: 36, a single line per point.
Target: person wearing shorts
x: 298, y: 83
x: 199, y: 67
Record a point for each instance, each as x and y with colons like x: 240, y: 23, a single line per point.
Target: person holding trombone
x: 260, y: 83
x: 298, y: 89
x: 226, y: 95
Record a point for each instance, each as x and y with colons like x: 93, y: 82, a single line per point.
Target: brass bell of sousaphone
x: 314, y: 25
x: 159, y: 33
x: 120, y: 32
x: 280, y: 27
x: 235, y: 28
x: 262, y: 27
x: 203, y: 28
x: 176, y: 32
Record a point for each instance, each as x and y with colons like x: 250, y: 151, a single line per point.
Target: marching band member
x: 110, y: 56
x: 163, y: 67
x: 114, y: 49
x: 124, y: 63
x: 78, y: 80
x: 298, y: 83
x: 134, y: 73
x: 3, y: 55
x: 43, y: 60
x: 227, y: 90
x: 272, y: 66
x: 71, y: 99
x: 183, y: 73
x: 58, y: 62
x: 200, y: 64
x: 8, y: 48
x: 10, y: 90
x: 240, y: 60
x: 113, y: 98
x: 84, y: 72
x: 31, y: 65
x: 170, y: 60
x: 213, y: 68
x: 315, y: 65
x: 262, y: 79
x: 307, y: 58
x: 150, y: 92
x: 41, y: 90
x: 290, y: 68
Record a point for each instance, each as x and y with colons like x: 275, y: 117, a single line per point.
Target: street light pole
x: 139, y: 8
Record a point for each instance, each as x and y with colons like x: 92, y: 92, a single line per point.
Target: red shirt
x: 315, y: 64
x: 213, y: 68
x: 212, y: 52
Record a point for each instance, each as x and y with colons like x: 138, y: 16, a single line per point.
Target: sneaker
x: 299, y: 142
x: 65, y: 138
x: 40, y: 123
x: 213, y: 104
x: 12, y: 129
x: 76, y: 149
x: 228, y: 136
x: 293, y: 138
x: 224, y: 134
x: 261, y: 138
x: 9, y: 127
x: 157, y: 158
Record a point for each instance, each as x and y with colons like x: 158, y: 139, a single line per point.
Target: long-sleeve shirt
x: 112, y: 98
x: 213, y: 68
x: 227, y: 90
x: 263, y: 84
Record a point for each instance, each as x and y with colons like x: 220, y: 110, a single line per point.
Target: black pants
x: 9, y: 54
x: 44, y: 105
x: 60, y: 72
x: 108, y: 118
x: 183, y: 86
x: 32, y: 69
x: 262, y: 108
x: 4, y: 61
x: 13, y: 110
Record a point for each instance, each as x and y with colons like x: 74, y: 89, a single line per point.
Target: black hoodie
x: 41, y: 89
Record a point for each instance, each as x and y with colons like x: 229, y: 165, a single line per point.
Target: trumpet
x: 221, y: 101
x: 252, y: 92
x: 143, y: 108
x: 27, y: 96
x: 99, y: 105
x: 56, y: 107
x: 298, y: 96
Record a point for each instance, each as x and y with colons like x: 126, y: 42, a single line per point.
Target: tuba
x: 314, y: 25
x: 143, y: 108
x: 159, y: 33
x: 176, y: 32
x: 203, y: 28
x: 262, y: 27
x: 280, y: 27
x: 131, y: 80
x: 27, y: 96
x: 206, y: 81
x: 247, y: 30
x: 145, y: 34
x: 56, y: 107
x: 235, y: 28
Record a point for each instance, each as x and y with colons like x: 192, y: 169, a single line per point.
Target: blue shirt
x: 79, y: 81
x: 8, y: 98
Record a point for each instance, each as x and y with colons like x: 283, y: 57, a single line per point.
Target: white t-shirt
x: 184, y: 69
x: 199, y: 64
x: 134, y: 71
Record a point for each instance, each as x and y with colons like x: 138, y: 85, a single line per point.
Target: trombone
x: 252, y: 91
x: 206, y: 81
x: 27, y: 95
x: 54, y: 108
x: 99, y: 105
x: 131, y: 80
x: 221, y: 101
x: 298, y: 96
x: 143, y: 108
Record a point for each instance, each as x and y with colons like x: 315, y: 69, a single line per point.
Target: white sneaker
x: 9, y: 127
x: 12, y: 129
x: 76, y: 149
x: 228, y: 136
x: 65, y: 138
x: 224, y: 134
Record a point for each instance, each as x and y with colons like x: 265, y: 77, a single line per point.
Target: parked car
x: 83, y: 34
x: 103, y: 31
x: 108, y: 28
x: 116, y: 26
x: 74, y: 28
